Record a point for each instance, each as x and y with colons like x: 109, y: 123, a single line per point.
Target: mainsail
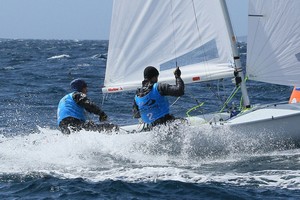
x: 165, y: 33
x: 197, y: 36
x: 273, y: 53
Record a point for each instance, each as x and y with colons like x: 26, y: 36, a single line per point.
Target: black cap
x: 78, y: 85
x: 150, y: 72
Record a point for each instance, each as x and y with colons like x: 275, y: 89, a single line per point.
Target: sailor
x: 71, y: 111
x: 151, y: 103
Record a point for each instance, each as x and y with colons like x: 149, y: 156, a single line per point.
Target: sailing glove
x: 177, y: 72
x: 102, y: 117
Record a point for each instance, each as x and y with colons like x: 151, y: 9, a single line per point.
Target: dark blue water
x: 37, y: 162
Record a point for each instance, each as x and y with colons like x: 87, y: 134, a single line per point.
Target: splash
x: 179, y: 153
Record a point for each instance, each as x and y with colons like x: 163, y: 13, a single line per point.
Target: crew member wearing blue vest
x: 72, y: 107
x: 150, y: 102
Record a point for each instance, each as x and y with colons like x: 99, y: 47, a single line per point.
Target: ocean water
x: 38, y: 162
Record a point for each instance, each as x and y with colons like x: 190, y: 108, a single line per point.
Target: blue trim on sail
x: 298, y: 56
x: 206, y: 52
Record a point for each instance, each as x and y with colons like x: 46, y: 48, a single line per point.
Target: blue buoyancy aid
x: 67, y: 107
x: 152, y: 106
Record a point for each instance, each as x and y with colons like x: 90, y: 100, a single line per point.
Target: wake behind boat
x: 191, y: 35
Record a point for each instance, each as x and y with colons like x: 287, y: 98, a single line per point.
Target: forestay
x: 163, y: 33
x: 273, y: 53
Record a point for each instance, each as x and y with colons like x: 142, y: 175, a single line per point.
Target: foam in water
x: 59, y: 57
x: 187, y: 154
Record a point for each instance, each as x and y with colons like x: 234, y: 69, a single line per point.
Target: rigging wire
x: 174, y: 39
x: 217, y: 94
x: 222, y: 100
x: 199, y: 36
x: 203, y: 50
x: 174, y: 34
x: 225, y: 104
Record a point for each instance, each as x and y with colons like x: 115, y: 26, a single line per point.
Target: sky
x: 77, y: 19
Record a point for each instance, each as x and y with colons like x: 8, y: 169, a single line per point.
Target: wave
x: 8, y: 68
x: 188, y: 155
x: 59, y: 57
x: 102, y: 56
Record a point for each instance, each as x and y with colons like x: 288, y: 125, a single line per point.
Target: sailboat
x: 198, y: 36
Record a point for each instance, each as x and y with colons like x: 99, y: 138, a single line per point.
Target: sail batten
x: 163, y: 33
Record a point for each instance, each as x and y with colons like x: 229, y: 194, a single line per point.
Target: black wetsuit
x: 69, y: 124
x: 164, y: 89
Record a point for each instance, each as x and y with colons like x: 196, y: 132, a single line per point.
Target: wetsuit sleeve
x: 82, y: 100
x: 135, y: 110
x: 172, y: 90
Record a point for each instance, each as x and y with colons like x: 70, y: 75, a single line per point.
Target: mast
x: 236, y: 56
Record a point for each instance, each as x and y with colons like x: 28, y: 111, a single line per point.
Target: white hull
x: 279, y: 121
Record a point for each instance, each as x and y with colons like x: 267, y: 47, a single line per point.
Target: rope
x: 224, y: 106
x: 201, y: 104
x: 194, y: 108
x: 175, y: 101
x: 230, y: 98
x: 232, y: 95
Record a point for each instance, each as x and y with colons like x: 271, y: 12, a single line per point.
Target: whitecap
x: 180, y: 153
x: 9, y: 68
x: 59, y: 57
x: 102, y: 56
x: 84, y: 65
